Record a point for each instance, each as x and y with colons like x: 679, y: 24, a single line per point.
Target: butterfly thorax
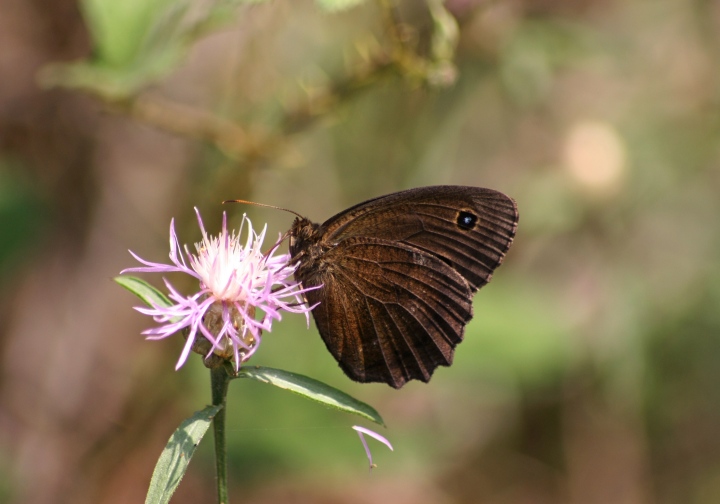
x: 306, y: 248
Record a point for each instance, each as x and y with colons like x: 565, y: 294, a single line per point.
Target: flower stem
x: 219, y: 380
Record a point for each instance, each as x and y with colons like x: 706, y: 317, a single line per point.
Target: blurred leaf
x: 146, y: 292
x: 312, y: 389
x: 119, y: 29
x: 220, y: 12
x: 175, y: 458
x: 336, y: 5
x: 134, y: 45
x: 137, y: 43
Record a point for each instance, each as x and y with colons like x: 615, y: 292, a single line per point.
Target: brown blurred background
x: 591, y: 373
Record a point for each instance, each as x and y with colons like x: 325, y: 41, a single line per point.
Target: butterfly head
x: 307, y: 247
x: 304, y: 234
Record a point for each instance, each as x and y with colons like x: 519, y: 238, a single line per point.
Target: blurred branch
x: 322, y: 101
x: 401, y: 58
x: 397, y: 32
x: 437, y: 68
x: 234, y: 139
x: 192, y: 122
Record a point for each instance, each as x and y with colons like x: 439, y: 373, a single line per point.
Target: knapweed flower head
x: 236, y: 280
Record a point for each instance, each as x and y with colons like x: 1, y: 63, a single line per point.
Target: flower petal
x: 361, y: 431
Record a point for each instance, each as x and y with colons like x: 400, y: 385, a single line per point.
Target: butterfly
x: 395, y: 276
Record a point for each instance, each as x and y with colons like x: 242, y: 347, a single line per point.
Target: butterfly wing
x: 389, y: 312
x: 469, y: 228
x: 398, y: 273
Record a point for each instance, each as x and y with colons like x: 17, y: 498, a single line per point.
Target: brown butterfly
x: 397, y: 276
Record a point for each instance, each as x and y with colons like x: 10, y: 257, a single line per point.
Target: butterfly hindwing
x: 389, y: 312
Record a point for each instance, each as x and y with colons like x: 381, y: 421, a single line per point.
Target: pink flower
x: 235, y: 281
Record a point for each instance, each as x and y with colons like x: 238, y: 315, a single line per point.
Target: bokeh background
x: 591, y: 372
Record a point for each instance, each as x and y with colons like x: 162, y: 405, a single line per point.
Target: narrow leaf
x: 146, y: 292
x: 174, y: 460
x: 311, y: 389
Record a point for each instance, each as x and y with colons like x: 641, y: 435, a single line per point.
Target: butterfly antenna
x: 263, y: 205
x: 284, y: 236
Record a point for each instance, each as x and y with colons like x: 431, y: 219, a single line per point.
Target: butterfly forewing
x: 398, y: 273
x: 427, y: 218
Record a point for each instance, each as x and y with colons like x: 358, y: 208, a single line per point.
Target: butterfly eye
x: 466, y: 220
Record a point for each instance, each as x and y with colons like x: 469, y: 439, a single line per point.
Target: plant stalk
x: 219, y: 380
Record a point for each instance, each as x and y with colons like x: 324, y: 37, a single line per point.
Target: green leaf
x: 119, y: 29
x: 137, y: 42
x: 146, y: 292
x: 174, y: 460
x: 336, y: 5
x: 311, y: 389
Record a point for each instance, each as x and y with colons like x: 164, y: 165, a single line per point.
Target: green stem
x: 219, y: 380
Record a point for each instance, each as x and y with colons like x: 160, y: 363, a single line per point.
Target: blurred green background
x: 591, y: 372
